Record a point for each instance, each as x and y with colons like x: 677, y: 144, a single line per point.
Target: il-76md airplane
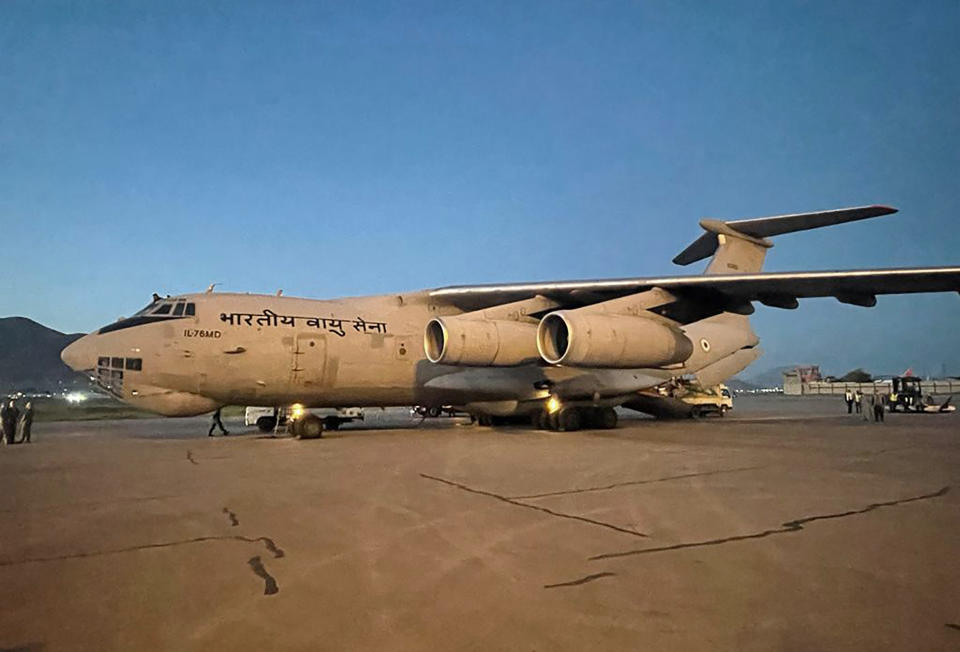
x: 563, y: 354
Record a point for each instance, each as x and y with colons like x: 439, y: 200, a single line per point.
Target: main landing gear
x: 309, y: 426
x: 566, y: 419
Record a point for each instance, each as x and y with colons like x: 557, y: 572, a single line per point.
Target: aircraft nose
x: 80, y: 355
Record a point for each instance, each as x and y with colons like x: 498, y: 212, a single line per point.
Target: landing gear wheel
x: 433, y: 412
x: 266, y: 424
x: 696, y: 412
x: 539, y: 420
x: 607, y: 418
x: 551, y: 421
x: 569, y: 419
x: 723, y: 410
x: 307, y: 427
x: 485, y: 420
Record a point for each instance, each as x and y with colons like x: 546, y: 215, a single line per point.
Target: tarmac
x: 787, y: 525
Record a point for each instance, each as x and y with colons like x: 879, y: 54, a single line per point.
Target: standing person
x: 858, y: 401
x: 9, y: 422
x: 3, y: 423
x: 25, y: 424
x: 217, y: 423
x: 848, y: 397
x: 877, y: 401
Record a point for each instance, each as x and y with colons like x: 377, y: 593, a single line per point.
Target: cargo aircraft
x: 561, y: 354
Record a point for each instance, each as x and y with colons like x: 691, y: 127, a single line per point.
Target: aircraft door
x: 309, y: 361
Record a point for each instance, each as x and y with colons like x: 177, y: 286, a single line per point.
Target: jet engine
x: 480, y: 342
x: 605, y: 340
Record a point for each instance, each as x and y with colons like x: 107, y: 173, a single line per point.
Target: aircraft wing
x: 722, y: 292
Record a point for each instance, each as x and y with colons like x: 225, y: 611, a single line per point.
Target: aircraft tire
x: 266, y: 424
x: 607, y: 418
x: 433, y: 412
x: 569, y: 419
x: 309, y: 427
x: 551, y: 421
x: 696, y: 412
x: 539, y: 420
x: 484, y: 420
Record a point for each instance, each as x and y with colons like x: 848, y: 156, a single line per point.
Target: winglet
x: 763, y: 227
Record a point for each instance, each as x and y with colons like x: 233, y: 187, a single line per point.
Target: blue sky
x: 335, y: 149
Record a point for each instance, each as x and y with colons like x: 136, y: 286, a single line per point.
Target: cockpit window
x: 146, y: 310
x: 191, y: 310
x: 178, y: 309
x: 164, y: 309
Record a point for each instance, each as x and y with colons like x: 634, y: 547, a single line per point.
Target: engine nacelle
x: 603, y: 340
x: 480, y: 342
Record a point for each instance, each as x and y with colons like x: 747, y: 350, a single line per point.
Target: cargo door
x: 309, y: 361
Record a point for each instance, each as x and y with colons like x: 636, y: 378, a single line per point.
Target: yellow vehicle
x: 702, y: 401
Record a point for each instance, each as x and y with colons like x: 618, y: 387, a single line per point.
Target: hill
x: 30, y: 357
x: 738, y: 385
x: 768, y: 378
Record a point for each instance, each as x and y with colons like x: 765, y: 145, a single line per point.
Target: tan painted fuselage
x: 248, y: 349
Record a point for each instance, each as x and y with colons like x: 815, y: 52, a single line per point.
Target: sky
x: 338, y: 149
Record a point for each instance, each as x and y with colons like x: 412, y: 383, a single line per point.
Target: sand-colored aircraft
x: 562, y: 354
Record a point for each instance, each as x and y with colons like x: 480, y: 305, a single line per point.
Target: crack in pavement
x: 513, y: 501
x: 190, y: 457
x: 582, y: 580
x: 631, y: 483
x: 788, y: 527
x: 267, y: 542
x: 234, y: 521
x: 269, y: 583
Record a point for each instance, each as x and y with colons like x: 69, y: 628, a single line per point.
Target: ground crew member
x: 858, y: 401
x: 217, y: 423
x: 9, y: 422
x: 3, y: 423
x: 848, y: 397
x: 878, y: 401
x: 25, y: 424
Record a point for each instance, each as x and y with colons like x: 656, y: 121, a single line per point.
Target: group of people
x: 878, y: 403
x: 15, y: 423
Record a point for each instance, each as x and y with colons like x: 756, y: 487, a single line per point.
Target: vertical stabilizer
x: 739, y: 247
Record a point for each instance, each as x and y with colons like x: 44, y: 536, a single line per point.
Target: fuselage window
x: 134, y: 364
x: 191, y: 310
x: 179, y: 309
x: 163, y: 310
x: 103, y: 362
x: 116, y: 363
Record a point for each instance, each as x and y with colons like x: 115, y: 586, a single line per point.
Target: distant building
x: 794, y: 379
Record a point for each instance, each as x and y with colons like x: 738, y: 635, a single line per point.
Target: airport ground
x: 785, y: 526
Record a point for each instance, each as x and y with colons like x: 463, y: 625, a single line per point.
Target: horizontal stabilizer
x: 763, y: 227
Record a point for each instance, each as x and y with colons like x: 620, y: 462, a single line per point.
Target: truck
x: 906, y: 393
x: 268, y: 418
x: 701, y: 400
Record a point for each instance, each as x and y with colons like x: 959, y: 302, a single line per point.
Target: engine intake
x: 604, y: 340
x: 480, y: 342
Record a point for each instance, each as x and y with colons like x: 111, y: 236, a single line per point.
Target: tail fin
x: 741, y: 245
